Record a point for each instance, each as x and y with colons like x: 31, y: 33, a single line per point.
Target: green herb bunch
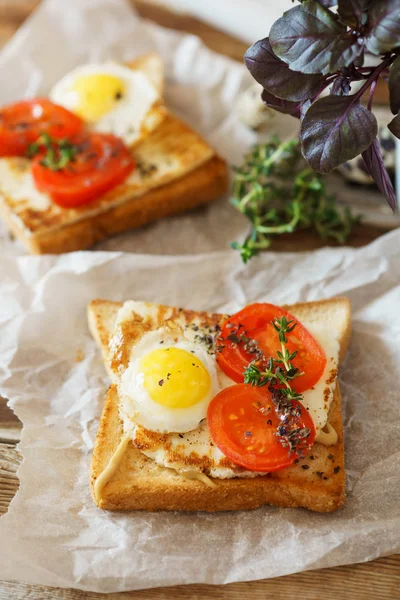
x: 277, y: 370
x: 279, y: 193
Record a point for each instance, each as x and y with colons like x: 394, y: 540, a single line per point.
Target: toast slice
x: 152, y: 65
x: 316, y: 482
x: 176, y: 170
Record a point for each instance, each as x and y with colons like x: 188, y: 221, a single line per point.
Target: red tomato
x: 243, y: 424
x: 101, y: 163
x: 22, y: 123
x: 254, y: 322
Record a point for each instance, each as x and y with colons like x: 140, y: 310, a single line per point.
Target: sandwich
x: 100, y: 156
x: 212, y: 412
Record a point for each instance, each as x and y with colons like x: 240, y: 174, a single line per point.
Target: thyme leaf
x: 57, y: 153
x: 276, y: 370
x: 278, y: 373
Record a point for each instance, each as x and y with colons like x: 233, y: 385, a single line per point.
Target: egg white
x: 126, y: 118
x: 136, y: 402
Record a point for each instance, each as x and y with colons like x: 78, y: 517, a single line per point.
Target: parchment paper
x: 52, y: 534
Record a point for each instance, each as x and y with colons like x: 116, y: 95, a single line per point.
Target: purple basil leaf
x: 304, y: 108
x: 334, y: 130
x: 284, y: 106
x: 384, y: 26
x: 354, y: 12
x: 394, y: 86
x: 375, y: 166
x: 275, y: 76
x: 327, y: 3
x: 394, y: 126
x: 310, y: 39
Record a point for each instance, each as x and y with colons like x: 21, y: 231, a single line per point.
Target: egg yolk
x: 174, y: 377
x: 96, y: 95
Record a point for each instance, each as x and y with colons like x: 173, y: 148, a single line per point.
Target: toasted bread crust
x: 139, y: 484
x: 153, y: 66
x: 316, y: 482
x: 200, y: 186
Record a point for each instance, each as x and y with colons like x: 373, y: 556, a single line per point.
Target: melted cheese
x: 327, y: 436
x: 112, y: 465
x: 202, y: 477
x: 16, y: 182
x: 318, y: 400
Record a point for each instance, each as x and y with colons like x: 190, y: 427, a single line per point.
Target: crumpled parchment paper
x: 53, y: 534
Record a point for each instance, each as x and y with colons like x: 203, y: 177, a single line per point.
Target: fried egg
x: 111, y: 98
x: 169, y: 382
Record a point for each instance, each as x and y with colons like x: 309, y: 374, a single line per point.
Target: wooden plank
x: 351, y: 583
x: 215, y: 39
x: 10, y: 458
x: 10, y: 425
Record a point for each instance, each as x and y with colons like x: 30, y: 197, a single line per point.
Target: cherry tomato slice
x: 243, y: 424
x: 23, y: 122
x: 101, y: 163
x: 254, y: 322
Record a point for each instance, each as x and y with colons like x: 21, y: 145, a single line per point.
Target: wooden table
x: 376, y: 580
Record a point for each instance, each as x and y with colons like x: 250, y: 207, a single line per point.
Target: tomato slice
x: 255, y: 322
x: 243, y: 422
x: 23, y: 122
x: 102, y: 162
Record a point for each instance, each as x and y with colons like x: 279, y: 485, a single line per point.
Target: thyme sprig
x: 279, y: 193
x: 279, y: 370
x: 57, y: 153
x: 278, y: 373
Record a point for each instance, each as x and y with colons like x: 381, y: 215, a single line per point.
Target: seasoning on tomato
x: 250, y: 333
x: 80, y: 171
x: 23, y: 122
x: 258, y: 432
